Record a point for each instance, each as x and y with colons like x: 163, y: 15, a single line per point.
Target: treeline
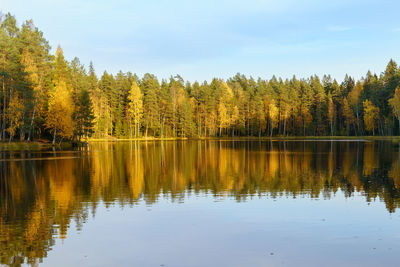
x: 45, y: 96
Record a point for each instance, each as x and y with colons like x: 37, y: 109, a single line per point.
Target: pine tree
x: 320, y: 105
x: 331, y: 113
x: 11, y: 69
x: 149, y: 87
x: 84, y: 116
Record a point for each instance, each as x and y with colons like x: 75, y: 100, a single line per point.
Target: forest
x: 46, y: 97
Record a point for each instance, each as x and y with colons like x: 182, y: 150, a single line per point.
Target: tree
x: 149, y: 87
x: 36, y: 59
x: 320, y: 105
x: 60, y: 107
x: 14, y: 115
x: 371, y: 115
x: 224, y: 110
x: 135, y: 108
x: 305, y: 99
x: 11, y: 69
x: 394, y: 103
x: 331, y: 113
x: 84, y: 116
x: 348, y: 115
x: 355, y: 103
x: 273, y: 114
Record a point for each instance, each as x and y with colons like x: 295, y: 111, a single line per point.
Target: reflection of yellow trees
x: 135, y: 173
x: 371, y: 159
x: 38, y: 199
x: 394, y: 172
x: 238, y: 168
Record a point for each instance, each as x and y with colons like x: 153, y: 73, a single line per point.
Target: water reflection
x: 42, y: 192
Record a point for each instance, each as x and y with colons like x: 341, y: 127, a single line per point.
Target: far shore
x: 43, y: 144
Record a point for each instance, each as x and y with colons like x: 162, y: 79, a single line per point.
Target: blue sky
x: 204, y: 39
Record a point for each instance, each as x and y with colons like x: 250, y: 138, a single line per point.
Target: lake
x: 202, y: 203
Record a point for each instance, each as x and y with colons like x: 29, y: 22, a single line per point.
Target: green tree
x: 84, y: 117
x: 150, y: 87
x: 394, y: 103
x: 331, y: 113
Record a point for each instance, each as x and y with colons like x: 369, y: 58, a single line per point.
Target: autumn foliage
x: 46, y: 96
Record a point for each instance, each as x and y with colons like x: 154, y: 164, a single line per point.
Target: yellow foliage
x: 14, y: 114
x: 223, y: 117
x: 348, y: 112
x: 59, y: 114
x: 395, y: 103
x: 135, y: 106
x: 371, y: 115
x: 273, y: 114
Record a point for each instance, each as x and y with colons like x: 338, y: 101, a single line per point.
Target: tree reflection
x: 41, y: 193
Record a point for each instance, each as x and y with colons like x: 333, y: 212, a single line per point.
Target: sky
x: 200, y: 40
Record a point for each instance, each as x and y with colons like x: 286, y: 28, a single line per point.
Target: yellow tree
x: 223, y: 117
x: 273, y: 114
x: 371, y: 115
x: 354, y: 101
x: 225, y: 106
x: 394, y: 103
x: 14, y: 114
x: 234, y: 118
x: 60, y: 105
x: 135, y: 107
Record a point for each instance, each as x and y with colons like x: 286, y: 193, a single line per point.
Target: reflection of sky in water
x: 201, y: 232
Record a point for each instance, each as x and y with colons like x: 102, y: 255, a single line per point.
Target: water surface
x: 202, y: 203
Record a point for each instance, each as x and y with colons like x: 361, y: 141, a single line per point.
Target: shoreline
x: 38, y: 145
x: 250, y: 138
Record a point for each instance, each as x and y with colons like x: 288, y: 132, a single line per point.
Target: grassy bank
x: 24, y: 145
x: 36, y: 145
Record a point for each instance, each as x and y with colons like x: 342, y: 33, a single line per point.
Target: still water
x: 202, y: 203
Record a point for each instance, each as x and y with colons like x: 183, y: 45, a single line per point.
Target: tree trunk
x: 34, y: 109
x: 4, y: 110
x: 130, y: 128
x: 284, y: 127
x: 54, y: 136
